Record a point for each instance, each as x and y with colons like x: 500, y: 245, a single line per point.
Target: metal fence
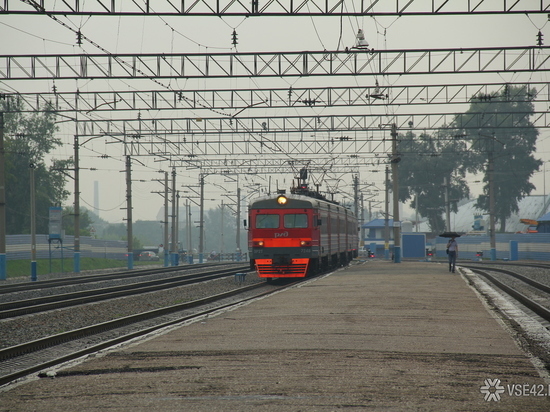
x: 19, y: 247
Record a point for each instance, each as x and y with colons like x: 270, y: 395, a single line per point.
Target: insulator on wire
x: 79, y: 38
x: 539, y: 39
x: 234, y: 38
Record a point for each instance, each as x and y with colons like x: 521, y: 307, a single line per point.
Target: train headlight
x: 305, y: 243
x: 282, y: 200
x: 258, y: 243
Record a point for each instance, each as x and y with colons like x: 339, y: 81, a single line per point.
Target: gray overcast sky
x: 43, y: 35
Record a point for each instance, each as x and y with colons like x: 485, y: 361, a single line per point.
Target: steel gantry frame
x: 275, y: 64
x: 305, y: 135
x: 236, y: 101
x: 271, y: 7
x: 151, y: 126
x: 273, y: 166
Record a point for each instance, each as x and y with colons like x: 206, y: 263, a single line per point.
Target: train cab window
x: 295, y: 221
x: 267, y: 221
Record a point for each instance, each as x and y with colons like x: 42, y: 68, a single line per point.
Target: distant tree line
x: 496, y: 126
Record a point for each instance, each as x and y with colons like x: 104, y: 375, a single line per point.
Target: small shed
x: 414, y: 245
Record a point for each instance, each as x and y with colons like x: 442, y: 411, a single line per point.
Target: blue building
x: 544, y: 224
x: 413, y: 244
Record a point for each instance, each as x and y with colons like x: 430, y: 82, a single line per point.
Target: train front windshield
x: 267, y: 221
x: 296, y: 221
x: 290, y: 221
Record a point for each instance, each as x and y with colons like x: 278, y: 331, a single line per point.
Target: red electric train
x: 299, y: 234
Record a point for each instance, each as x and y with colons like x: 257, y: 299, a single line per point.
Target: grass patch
x: 18, y: 268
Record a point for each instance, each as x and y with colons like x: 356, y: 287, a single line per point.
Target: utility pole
x: 416, y: 211
x: 166, y: 236
x: 76, y: 260
x: 356, y: 201
x: 356, y: 195
x: 395, y: 179
x: 189, y: 221
x: 221, y: 237
x: 387, y: 216
x: 174, y: 248
x: 33, y: 225
x: 3, y: 274
x: 188, y: 225
x: 238, y: 239
x: 447, y: 204
x: 177, y: 257
x: 491, y: 169
x: 129, y: 232
x: 201, y: 219
x: 362, y: 221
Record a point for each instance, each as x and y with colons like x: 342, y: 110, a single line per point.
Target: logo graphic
x: 492, y: 390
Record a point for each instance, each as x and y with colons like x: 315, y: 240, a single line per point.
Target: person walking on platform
x: 452, y: 248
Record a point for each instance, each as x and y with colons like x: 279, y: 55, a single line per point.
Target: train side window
x: 295, y: 221
x: 316, y: 221
x: 267, y: 221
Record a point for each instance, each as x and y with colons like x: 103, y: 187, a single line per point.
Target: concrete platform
x: 374, y: 337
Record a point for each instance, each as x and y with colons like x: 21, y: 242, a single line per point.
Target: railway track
x: 45, y: 303
x: 31, y: 357
x: 523, y: 289
x: 80, y: 280
x: 507, y: 263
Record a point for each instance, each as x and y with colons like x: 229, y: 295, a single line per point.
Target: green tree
x: 116, y: 231
x: 499, y: 125
x: 29, y: 138
x: 150, y: 232
x: 214, y: 231
x: 119, y: 231
x: 68, y: 221
x: 427, y: 162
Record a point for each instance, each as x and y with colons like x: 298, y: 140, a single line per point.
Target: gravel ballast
x: 35, y: 326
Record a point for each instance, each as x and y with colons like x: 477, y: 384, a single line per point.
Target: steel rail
x: 37, y: 305
x: 532, y: 265
x: 39, y: 344
x: 540, y: 310
x: 77, y: 280
x: 525, y: 279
